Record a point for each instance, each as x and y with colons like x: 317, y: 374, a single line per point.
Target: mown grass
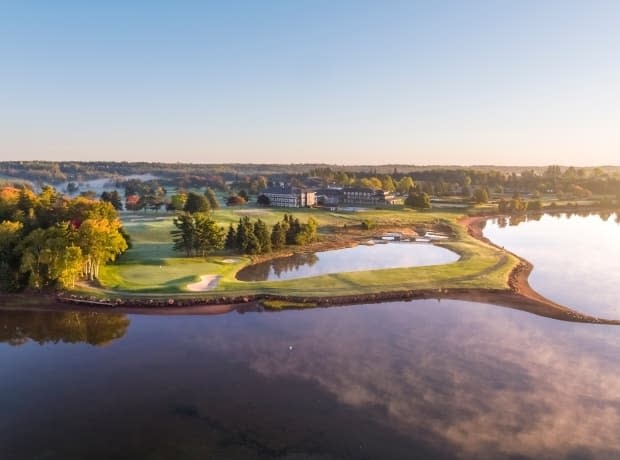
x: 152, y: 267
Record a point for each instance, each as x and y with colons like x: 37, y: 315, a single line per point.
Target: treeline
x: 572, y: 182
x: 516, y: 205
x: 198, y: 234
x: 48, y: 240
x: 257, y: 238
x: 194, y: 202
x: 564, y: 182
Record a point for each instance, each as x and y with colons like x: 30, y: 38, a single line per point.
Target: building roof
x: 362, y: 190
x: 284, y: 190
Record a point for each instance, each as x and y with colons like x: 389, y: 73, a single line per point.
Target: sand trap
x: 206, y: 282
x: 230, y: 261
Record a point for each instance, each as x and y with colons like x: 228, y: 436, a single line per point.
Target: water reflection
x: 392, y: 381
x: 19, y: 327
x: 358, y: 258
x: 575, y: 256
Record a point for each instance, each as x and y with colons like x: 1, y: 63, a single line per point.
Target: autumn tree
x: 100, y: 241
x: 235, y: 200
x: 404, y: 185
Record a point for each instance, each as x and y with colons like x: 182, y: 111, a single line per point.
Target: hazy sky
x: 503, y: 82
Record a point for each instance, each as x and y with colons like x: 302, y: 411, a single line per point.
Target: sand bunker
x: 206, y: 282
x: 230, y: 261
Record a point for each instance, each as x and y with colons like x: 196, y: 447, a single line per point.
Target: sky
x: 528, y: 82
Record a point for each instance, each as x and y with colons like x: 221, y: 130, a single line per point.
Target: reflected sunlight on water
x: 576, y: 258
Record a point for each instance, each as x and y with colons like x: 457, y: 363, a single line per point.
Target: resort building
x: 363, y: 195
x: 337, y: 196
x: 290, y: 197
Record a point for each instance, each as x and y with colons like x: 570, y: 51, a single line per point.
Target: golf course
x: 152, y: 267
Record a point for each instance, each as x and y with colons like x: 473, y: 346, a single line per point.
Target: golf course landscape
x: 152, y: 274
x: 152, y: 267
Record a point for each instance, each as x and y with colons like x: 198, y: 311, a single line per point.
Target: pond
x: 358, y: 258
x: 423, y: 379
x: 576, y: 258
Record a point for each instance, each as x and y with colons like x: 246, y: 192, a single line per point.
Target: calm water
x: 576, y: 258
x: 389, y: 381
x: 358, y: 258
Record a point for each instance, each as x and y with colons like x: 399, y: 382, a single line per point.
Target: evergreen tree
x: 209, y: 235
x: 278, y: 236
x: 231, y: 238
x: 253, y: 245
x: 262, y: 234
x: 184, y: 235
x: 245, y: 232
x: 293, y: 230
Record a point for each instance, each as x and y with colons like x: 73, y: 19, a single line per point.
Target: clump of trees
x: 194, y: 202
x: 517, y: 205
x: 481, y: 196
x: 48, y: 240
x: 418, y: 200
x: 256, y: 238
x: 197, y: 234
x: 150, y: 194
x: 113, y: 198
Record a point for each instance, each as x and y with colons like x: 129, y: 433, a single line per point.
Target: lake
x: 576, y: 258
x: 403, y: 380
x: 358, y: 258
